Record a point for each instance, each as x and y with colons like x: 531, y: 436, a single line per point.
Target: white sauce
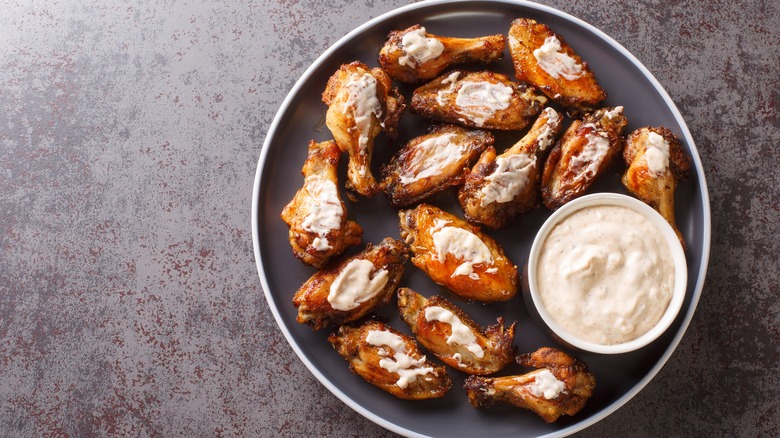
x: 354, y: 285
x: 418, y: 48
x: 362, y: 97
x: 324, y: 208
x: 508, y: 179
x: 546, y: 137
x: 605, y: 274
x: 463, y: 245
x: 546, y: 385
x: 614, y: 112
x: 593, y: 153
x: 556, y: 62
x: 433, y: 155
x: 442, y: 95
x: 460, y: 333
x: 401, y: 363
x: 480, y: 100
x: 657, y: 154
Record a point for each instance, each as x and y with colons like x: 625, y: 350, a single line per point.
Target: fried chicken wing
x: 432, y: 163
x: 446, y: 331
x: 317, y: 217
x: 478, y: 100
x: 361, y: 103
x: 390, y: 360
x: 561, y: 385
x: 499, y: 188
x: 582, y: 155
x: 413, y: 54
x: 458, y: 255
x: 656, y: 161
x: 543, y: 59
x: 352, y: 287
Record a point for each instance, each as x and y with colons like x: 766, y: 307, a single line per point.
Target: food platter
x: 301, y: 119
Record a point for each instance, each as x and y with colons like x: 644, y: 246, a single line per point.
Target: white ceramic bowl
x: 534, y: 301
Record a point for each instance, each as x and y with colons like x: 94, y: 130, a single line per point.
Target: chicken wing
x: 458, y: 255
x: 656, y: 161
x: 353, y: 287
x: 582, y: 155
x: 453, y: 337
x: 499, y: 188
x: 317, y: 217
x: 413, y: 55
x: 361, y: 103
x: 478, y: 100
x: 432, y: 163
x: 390, y: 360
x: 543, y: 59
x: 561, y: 386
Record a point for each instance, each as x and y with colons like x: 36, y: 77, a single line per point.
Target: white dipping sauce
x: 605, y: 274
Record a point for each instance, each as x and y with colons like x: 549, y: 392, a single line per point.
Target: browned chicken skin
x: 656, y: 161
x: 352, y: 287
x: 582, y: 155
x: 543, y: 59
x: 561, y: 386
x: 479, y: 100
x: 453, y: 337
x: 458, y: 255
x: 499, y: 188
x: 317, y: 217
x: 361, y: 103
x: 390, y: 360
x: 413, y: 55
x: 432, y: 163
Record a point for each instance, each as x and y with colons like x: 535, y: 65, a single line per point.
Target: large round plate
x: 300, y: 119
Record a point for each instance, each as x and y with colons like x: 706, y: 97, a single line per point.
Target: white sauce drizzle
x: 362, y: 97
x: 546, y: 136
x: 463, y: 245
x: 442, y: 95
x: 354, y: 285
x: 418, y: 48
x: 461, y: 334
x: 508, y: 179
x: 547, y: 385
x: 614, y: 112
x: 556, y: 62
x: 479, y: 101
x: 401, y: 363
x: 657, y: 154
x: 433, y: 155
x: 324, y: 208
x: 592, y: 153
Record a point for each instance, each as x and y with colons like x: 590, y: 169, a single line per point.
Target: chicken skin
x: 361, y: 103
x: 582, y: 155
x: 499, y: 188
x: 391, y: 361
x: 478, y: 100
x: 561, y: 385
x: 458, y: 255
x: 414, y: 55
x: 453, y: 337
x: 352, y: 287
x: 543, y: 59
x: 656, y: 161
x: 317, y: 217
x: 432, y: 163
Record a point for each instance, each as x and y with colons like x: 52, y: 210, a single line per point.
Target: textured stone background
x: 129, y: 136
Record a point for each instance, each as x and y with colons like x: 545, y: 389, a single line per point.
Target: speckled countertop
x: 129, y: 137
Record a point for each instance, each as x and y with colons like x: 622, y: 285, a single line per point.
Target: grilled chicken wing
x: 543, y: 59
x: 585, y: 151
x: 479, y: 100
x: 499, y: 188
x: 458, y: 255
x: 453, y: 337
x: 352, y: 287
x: 317, y: 217
x: 391, y: 361
x: 413, y: 54
x: 561, y: 386
x: 656, y: 161
x: 361, y: 103
x: 432, y: 163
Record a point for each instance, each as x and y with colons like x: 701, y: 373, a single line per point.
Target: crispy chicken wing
x: 453, y: 337
x: 561, y: 385
x: 432, y: 163
x: 543, y: 59
x: 499, y: 188
x: 413, y: 55
x: 390, y: 360
x: 479, y: 100
x: 352, y: 287
x: 656, y: 161
x: 361, y: 103
x: 585, y: 151
x: 317, y: 217
x: 458, y: 255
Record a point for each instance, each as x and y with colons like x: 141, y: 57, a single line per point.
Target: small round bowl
x: 534, y: 302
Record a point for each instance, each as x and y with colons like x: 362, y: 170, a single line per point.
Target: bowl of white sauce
x: 606, y: 274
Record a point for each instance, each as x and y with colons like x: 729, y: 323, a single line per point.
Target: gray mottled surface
x: 129, y: 136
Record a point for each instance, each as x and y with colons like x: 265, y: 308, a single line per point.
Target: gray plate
x: 300, y: 119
